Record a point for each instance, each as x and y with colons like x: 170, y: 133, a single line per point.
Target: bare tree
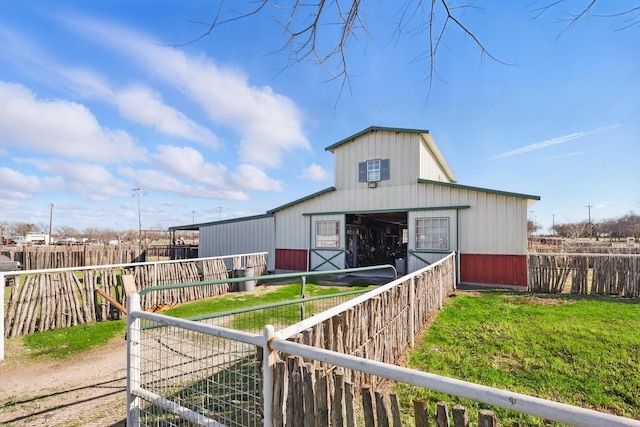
x: 323, y: 30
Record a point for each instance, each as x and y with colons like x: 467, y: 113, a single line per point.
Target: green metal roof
x: 483, y: 190
x: 196, y: 227
x: 303, y: 199
x: 372, y: 129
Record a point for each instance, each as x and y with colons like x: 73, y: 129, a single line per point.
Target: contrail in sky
x: 554, y: 141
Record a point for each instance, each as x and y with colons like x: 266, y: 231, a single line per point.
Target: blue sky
x: 99, y: 98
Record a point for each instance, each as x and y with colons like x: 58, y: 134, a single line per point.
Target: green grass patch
x: 65, y: 342
x: 239, y: 300
x: 577, y: 350
x: 71, y: 341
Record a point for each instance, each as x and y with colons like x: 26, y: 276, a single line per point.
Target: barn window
x: 432, y: 233
x: 373, y: 170
x: 327, y: 234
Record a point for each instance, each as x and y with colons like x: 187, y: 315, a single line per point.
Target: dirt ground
x: 88, y: 390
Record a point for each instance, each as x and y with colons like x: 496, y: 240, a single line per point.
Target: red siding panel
x: 494, y: 269
x: 291, y: 259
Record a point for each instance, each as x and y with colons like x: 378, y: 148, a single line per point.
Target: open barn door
x: 377, y: 238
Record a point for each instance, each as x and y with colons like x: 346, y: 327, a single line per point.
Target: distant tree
x: 532, y: 227
x: 22, y: 228
x: 574, y: 230
x: 66, y: 231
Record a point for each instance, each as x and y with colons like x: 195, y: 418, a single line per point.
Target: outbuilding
x: 394, y: 201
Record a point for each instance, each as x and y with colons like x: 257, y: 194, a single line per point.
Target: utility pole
x: 137, y: 193
x: 51, y: 206
x: 589, y: 223
x: 193, y: 233
x: 220, y: 212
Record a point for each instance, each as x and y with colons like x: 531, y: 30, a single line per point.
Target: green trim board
x: 373, y: 129
x: 303, y: 199
x: 481, y: 190
x: 196, y: 227
x: 415, y: 252
x: 326, y: 260
x: 430, y: 208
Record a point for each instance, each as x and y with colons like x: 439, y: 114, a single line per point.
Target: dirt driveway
x: 88, y: 390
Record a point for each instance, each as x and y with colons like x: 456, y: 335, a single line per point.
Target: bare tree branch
x: 310, y: 28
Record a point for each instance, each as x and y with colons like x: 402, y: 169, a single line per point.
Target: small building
x: 394, y: 201
x: 32, y: 239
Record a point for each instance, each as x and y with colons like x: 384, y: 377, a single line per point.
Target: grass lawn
x: 584, y: 351
x: 71, y: 341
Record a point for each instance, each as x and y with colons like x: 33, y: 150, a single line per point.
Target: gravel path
x: 88, y: 390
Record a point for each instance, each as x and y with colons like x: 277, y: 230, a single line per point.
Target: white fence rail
x: 210, y: 375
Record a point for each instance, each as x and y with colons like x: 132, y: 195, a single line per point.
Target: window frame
x: 322, y: 229
x: 435, y: 236
x: 374, y: 170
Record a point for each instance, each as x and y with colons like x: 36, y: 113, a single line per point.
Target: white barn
x: 394, y: 201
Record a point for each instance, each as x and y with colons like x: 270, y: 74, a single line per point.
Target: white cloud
x: 59, y: 127
x: 139, y: 104
x: 314, y: 172
x: 250, y: 177
x: 269, y: 123
x: 554, y: 141
x: 156, y: 180
x: 189, y: 163
x: 136, y: 103
x: 18, y: 185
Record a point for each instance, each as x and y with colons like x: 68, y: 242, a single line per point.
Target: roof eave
x: 483, y: 190
x: 332, y: 147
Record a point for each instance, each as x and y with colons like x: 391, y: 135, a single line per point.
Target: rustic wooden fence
x: 382, y: 327
x: 583, y: 274
x: 43, y: 301
x: 42, y: 257
x: 320, y: 398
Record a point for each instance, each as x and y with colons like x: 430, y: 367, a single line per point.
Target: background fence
x: 40, y: 257
x: 601, y: 274
x: 40, y: 300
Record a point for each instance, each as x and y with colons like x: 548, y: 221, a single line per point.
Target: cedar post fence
x: 47, y: 299
x: 597, y: 274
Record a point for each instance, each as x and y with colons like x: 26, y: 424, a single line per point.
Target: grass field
x: 579, y: 350
x: 583, y: 351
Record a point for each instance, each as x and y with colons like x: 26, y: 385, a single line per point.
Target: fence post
x: 133, y: 359
x: 3, y: 286
x: 268, y: 363
x: 302, y: 292
x: 441, y: 283
x: 155, y: 274
x: 412, y: 317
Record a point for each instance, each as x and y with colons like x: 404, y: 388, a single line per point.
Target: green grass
x: 578, y: 350
x: 71, y: 341
x: 65, y: 342
x: 234, y: 301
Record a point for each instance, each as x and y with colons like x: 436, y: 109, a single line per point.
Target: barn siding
x: 239, y: 236
x: 429, y: 167
x: 493, y: 269
x: 395, y: 146
x: 291, y: 259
